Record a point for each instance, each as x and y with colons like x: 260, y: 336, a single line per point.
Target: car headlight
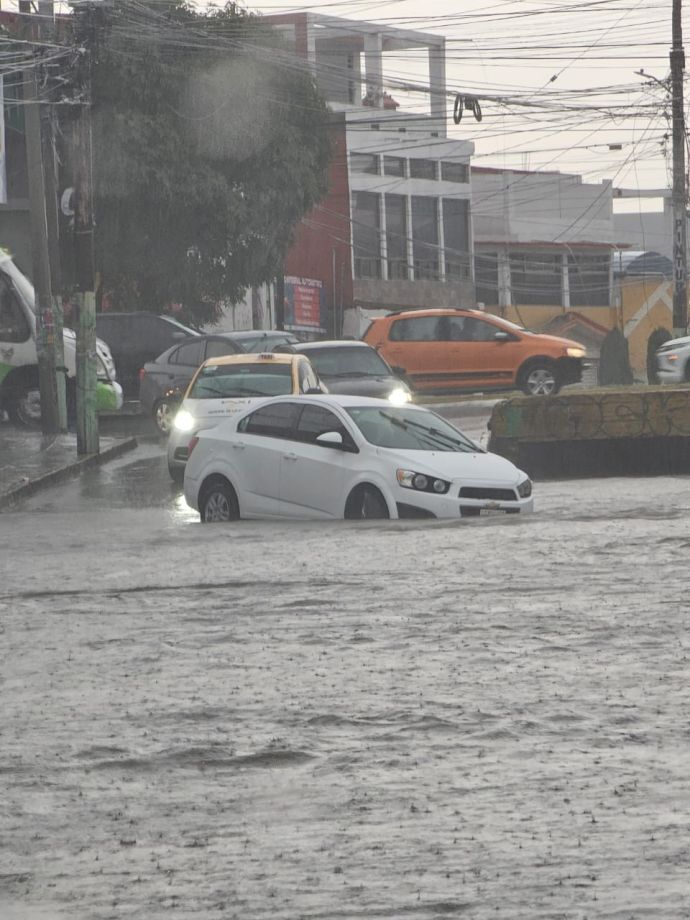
x: 408, y: 479
x: 399, y: 397
x: 525, y: 488
x: 184, y: 420
x: 670, y: 357
x: 576, y: 352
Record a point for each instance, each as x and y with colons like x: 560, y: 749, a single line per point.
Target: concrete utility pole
x: 85, y: 296
x: 45, y: 325
x: 680, y: 258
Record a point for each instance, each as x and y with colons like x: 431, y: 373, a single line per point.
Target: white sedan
x: 345, y: 456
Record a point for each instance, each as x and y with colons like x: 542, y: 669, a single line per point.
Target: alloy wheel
x: 540, y: 382
x: 217, y: 508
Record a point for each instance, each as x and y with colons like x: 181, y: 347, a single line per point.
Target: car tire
x: 366, y: 503
x: 539, y: 379
x: 163, y: 414
x: 25, y: 406
x: 218, y: 502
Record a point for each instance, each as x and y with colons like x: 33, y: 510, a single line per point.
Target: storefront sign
x: 303, y: 304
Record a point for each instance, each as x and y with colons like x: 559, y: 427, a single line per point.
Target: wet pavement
x: 483, y: 718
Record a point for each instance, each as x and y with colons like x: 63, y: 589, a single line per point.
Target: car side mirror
x: 398, y: 371
x: 331, y: 439
x: 502, y: 337
x: 314, y: 391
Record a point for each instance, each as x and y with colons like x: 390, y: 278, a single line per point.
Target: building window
x: 455, y: 172
x: 366, y: 226
x: 588, y: 278
x: 396, y: 236
x: 535, y: 278
x: 423, y: 169
x: 364, y: 163
x: 486, y: 278
x: 456, y: 238
x: 425, y: 237
x: 394, y: 166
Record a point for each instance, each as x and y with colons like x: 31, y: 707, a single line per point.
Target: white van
x: 19, y: 393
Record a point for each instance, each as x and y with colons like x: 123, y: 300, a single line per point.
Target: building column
x: 409, y: 241
x: 373, y: 68
x: 441, y: 241
x: 504, y: 288
x: 383, y: 241
x: 437, y: 86
x: 565, y: 281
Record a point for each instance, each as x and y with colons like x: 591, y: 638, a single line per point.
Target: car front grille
x: 494, y: 495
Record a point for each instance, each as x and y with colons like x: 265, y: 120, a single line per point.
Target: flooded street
x: 482, y: 718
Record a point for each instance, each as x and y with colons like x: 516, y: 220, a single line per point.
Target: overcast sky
x: 556, y: 78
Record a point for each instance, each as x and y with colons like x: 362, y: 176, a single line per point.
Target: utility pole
x: 45, y: 326
x: 680, y: 257
x: 85, y: 295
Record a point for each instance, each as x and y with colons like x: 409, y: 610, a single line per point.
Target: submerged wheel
x: 539, y: 380
x: 25, y: 408
x: 218, y: 502
x: 366, y: 503
x: 163, y: 415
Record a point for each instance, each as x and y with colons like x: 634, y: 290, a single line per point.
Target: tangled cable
x: 471, y: 103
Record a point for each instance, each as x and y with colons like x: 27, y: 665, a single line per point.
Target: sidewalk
x: 29, y: 460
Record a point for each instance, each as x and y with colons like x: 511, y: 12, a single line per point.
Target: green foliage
x: 210, y: 143
x: 614, y: 360
x: 655, y: 340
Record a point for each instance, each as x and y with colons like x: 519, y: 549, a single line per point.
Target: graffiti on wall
x: 621, y: 414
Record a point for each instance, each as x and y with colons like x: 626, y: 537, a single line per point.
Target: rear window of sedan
x: 255, y: 379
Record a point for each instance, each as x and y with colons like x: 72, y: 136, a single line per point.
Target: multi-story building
x: 395, y: 227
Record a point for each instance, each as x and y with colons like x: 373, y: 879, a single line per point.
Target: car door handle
x: 290, y: 457
x: 239, y: 445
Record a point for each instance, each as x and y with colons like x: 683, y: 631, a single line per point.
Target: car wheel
x: 163, y: 415
x: 25, y: 408
x: 539, y: 380
x: 218, y: 502
x: 365, y: 503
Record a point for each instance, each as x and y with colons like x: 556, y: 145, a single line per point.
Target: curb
x: 66, y: 472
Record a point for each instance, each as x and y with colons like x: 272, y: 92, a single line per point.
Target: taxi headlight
x: 576, y: 352
x: 408, y: 479
x: 399, y: 397
x: 184, y: 420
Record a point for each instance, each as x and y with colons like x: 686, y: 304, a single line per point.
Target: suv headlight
x: 408, y: 479
x: 525, y: 488
x: 184, y: 420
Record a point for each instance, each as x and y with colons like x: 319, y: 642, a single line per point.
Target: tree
x: 210, y: 143
x: 614, y: 360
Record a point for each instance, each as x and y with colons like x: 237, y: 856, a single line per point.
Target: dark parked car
x: 134, y: 339
x: 162, y: 383
x: 356, y: 369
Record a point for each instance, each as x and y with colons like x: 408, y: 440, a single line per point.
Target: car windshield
x: 255, y: 379
x: 347, y: 362
x: 409, y: 429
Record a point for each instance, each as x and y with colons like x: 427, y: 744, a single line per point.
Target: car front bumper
x: 411, y: 503
x: 671, y: 373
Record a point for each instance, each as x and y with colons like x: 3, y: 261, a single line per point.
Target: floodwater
x: 483, y: 718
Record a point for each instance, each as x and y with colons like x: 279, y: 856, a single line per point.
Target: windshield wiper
x: 352, y: 374
x: 432, y: 433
